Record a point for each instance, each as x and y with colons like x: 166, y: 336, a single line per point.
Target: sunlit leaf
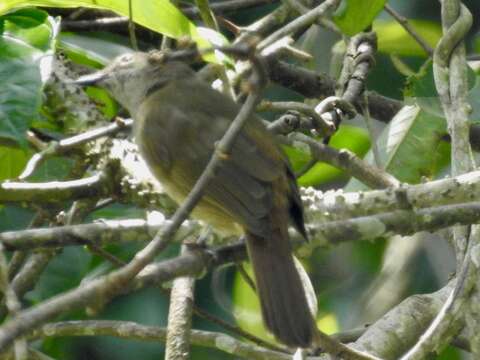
x: 409, y: 146
x: 247, y: 307
x: 12, y: 160
x: 348, y: 137
x: 355, y: 16
x: 394, y: 39
x: 160, y: 15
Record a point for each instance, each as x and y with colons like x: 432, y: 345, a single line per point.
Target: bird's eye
x: 126, y: 59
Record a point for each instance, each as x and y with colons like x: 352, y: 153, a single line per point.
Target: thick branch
x: 321, y: 210
x: 180, y: 313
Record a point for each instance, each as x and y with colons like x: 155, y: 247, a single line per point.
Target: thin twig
x: 117, y: 262
x: 318, y: 123
x: 131, y: 27
x: 65, y: 145
x: 349, y: 162
x: 403, y: 21
x: 12, y: 303
x: 371, y: 131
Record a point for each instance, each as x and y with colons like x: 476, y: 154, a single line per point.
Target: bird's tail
x: 283, y: 301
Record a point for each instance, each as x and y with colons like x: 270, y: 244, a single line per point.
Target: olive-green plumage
x: 178, y: 119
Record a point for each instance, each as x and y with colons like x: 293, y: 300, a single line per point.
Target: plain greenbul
x: 177, y: 120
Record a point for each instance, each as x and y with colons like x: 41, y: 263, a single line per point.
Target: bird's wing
x: 189, y: 126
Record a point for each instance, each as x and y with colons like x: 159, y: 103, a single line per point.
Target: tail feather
x: 282, y: 297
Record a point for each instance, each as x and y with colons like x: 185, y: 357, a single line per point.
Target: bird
x: 177, y: 119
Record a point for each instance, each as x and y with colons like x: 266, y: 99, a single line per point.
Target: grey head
x: 131, y: 77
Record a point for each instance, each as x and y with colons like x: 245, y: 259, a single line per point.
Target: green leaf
x: 410, y: 146
x: 421, y: 90
x: 348, y: 137
x: 26, y: 48
x: 27, y: 18
x: 474, y: 100
x: 62, y: 273
x: 108, y: 105
x: 247, y: 306
x: 14, y: 217
x: 13, y: 161
x: 393, y: 39
x: 95, y: 49
x: 159, y: 15
x: 355, y: 16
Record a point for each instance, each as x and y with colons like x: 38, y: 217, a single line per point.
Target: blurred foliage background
x: 350, y: 279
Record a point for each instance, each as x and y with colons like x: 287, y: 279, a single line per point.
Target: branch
x: 321, y: 208
x: 54, y: 191
x: 346, y: 160
x: 134, y: 331
x: 63, y: 146
x: 98, y: 233
x: 180, y: 313
x: 402, y: 326
x: 311, y: 85
x: 405, y: 322
x: 336, y: 205
x: 446, y: 323
x: 12, y: 303
x: 402, y: 222
x: 358, y: 62
x: 185, y: 265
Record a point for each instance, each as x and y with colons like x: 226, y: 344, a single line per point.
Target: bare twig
x: 371, y: 131
x: 131, y: 27
x: 403, y: 21
x: 12, y: 303
x: 97, y: 233
x: 322, y: 126
x: 131, y: 330
x: 65, y: 145
x: 53, y: 191
x: 349, y: 162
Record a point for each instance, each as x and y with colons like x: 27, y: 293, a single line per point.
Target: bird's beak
x: 91, y: 79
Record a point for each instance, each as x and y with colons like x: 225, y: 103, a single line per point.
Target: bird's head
x: 131, y: 77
